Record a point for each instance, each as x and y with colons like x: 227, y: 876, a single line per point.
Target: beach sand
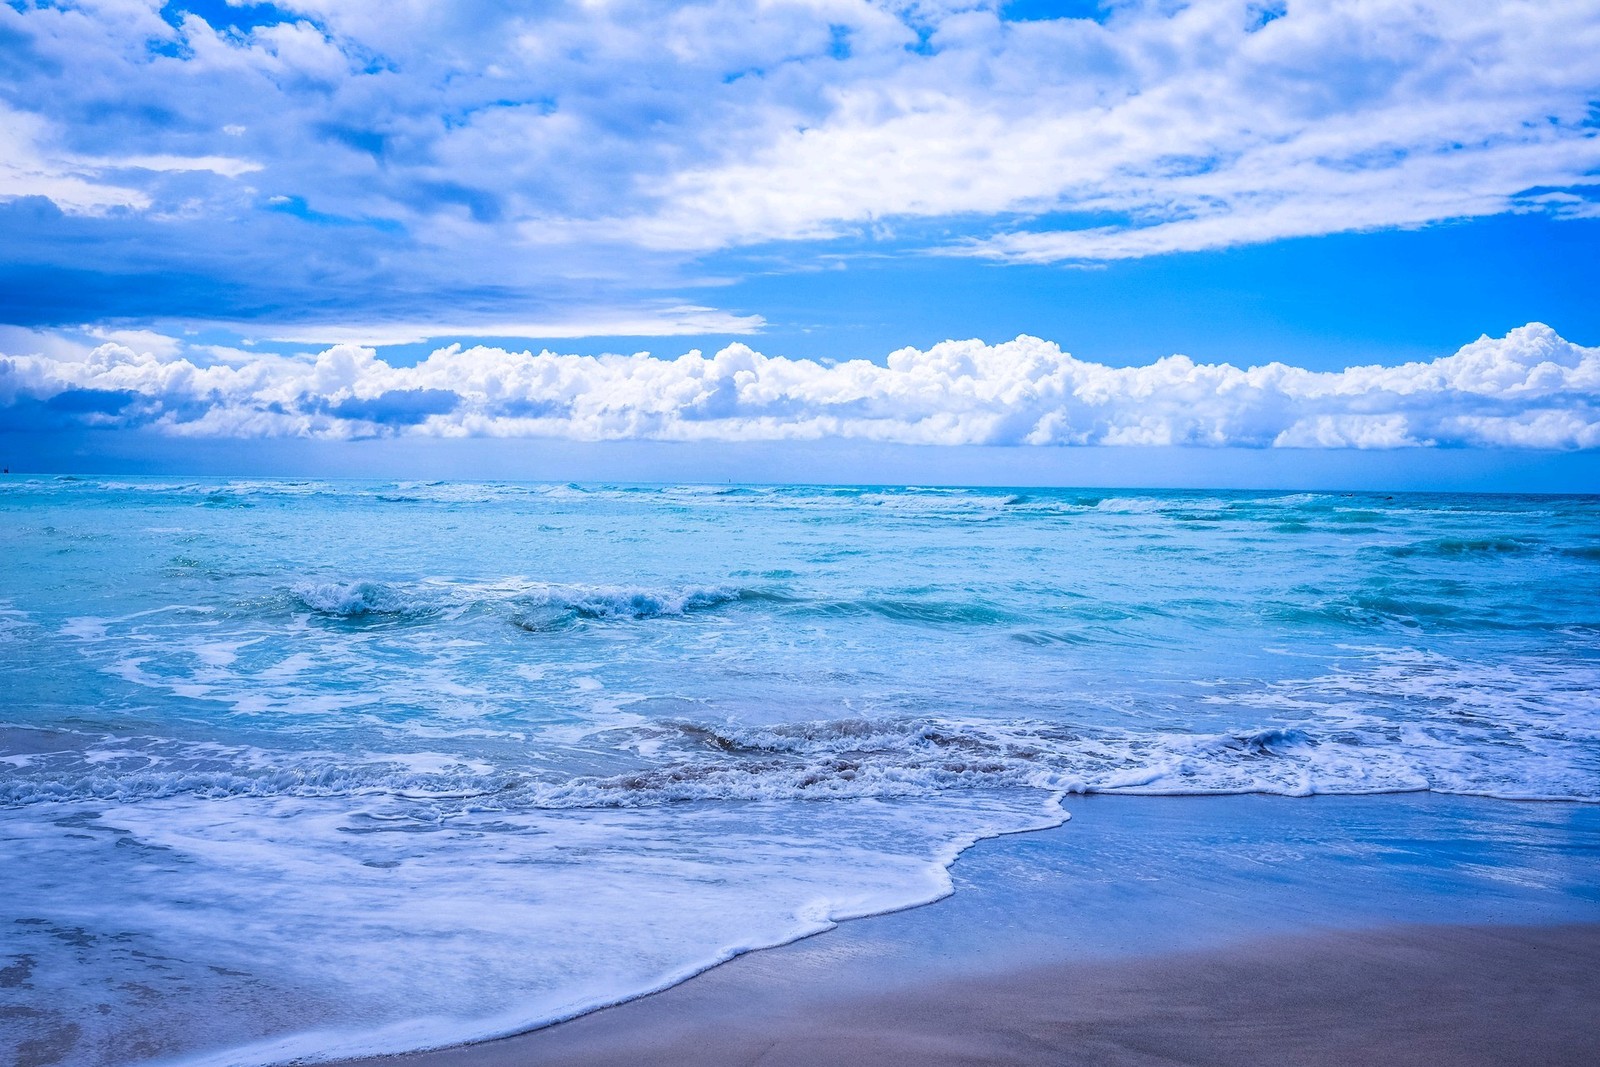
x: 1429, y: 996
x: 1234, y: 930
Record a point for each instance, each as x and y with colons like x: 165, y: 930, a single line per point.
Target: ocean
x: 318, y: 768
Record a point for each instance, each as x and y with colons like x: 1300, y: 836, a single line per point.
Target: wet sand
x: 1423, y: 995
x: 1417, y: 929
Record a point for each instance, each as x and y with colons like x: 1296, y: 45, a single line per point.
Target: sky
x: 1225, y: 241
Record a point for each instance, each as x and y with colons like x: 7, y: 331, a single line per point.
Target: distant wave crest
x: 531, y: 606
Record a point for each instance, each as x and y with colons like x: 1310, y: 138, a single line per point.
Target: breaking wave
x: 530, y: 605
x: 353, y: 600
x: 542, y: 607
x: 852, y: 758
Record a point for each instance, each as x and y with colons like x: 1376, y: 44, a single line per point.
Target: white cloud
x: 148, y: 341
x: 489, y: 131
x: 76, y: 184
x: 27, y: 168
x: 225, y: 166
x: 668, y: 322
x: 1194, y: 130
x: 1529, y: 389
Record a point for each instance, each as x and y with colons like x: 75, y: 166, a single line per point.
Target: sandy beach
x: 1420, y: 930
x: 1424, y: 995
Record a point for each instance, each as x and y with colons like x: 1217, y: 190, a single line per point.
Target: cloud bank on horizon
x: 570, y: 162
x: 1529, y: 389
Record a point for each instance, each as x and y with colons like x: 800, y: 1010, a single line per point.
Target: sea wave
x: 540, y: 607
x: 1346, y: 513
x: 533, y: 606
x: 1465, y: 546
x: 855, y: 758
x: 357, y: 599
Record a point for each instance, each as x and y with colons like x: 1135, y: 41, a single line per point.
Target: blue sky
x: 223, y: 192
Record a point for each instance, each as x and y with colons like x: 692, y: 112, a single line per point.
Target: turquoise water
x: 315, y: 768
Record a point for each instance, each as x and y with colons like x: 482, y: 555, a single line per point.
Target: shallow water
x: 318, y: 768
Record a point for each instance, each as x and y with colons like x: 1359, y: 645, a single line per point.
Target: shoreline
x: 1405, y: 995
x: 1078, y: 944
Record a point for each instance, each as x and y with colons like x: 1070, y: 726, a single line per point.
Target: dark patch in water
x: 1045, y: 638
x: 53, y: 1045
x: 1270, y: 742
x: 545, y: 622
x: 16, y: 975
x: 1457, y: 546
x: 561, y: 614
x: 926, y: 611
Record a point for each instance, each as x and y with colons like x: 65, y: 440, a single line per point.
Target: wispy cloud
x: 551, y: 151
x: 1529, y: 389
x: 679, y: 321
x: 28, y: 169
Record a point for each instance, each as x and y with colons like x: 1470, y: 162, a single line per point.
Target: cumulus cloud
x: 1529, y: 389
